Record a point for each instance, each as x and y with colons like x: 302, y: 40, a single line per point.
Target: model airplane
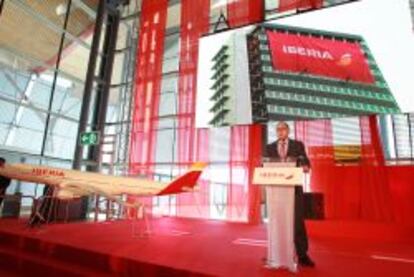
x: 72, y: 184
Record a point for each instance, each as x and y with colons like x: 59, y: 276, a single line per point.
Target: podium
x: 279, y: 180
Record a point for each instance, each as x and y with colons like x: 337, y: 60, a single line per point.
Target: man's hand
x: 306, y: 168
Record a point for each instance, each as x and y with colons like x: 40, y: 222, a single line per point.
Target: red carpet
x: 183, y: 247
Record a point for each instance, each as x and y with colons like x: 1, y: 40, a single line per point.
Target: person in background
x: 4, y: 182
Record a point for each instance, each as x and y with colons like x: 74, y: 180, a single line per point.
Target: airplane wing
x: 69, y: 190
x: 74, y: 189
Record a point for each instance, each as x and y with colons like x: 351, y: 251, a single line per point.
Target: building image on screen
x: 229, y: 77
x: 299, y: 73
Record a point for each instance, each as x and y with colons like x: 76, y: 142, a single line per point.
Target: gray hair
x: 283, y: 123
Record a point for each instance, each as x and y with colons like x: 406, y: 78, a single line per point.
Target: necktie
x: 283, y: 150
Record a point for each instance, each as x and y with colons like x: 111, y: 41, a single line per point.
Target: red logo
x: 307, y: 52
x: 345, y: 60
x: 47, y: 172
x: 276, y: 175
x: 289, y: 177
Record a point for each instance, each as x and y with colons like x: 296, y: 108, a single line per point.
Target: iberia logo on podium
x: 276, y: 175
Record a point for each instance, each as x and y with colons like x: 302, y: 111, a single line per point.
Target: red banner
x: 318, y: 56
x: 243, y: 12
x: 287, y: 5
x: 193, y: 26
x: 147, y: 85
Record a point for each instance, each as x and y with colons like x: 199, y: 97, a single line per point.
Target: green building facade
x: 221, y: 87
x: 283, y: 95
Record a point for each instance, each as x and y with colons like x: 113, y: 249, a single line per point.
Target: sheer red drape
x: 254, y: 160
x: 196, y: 204
x: 374, y: 186
x: 286, y: 5
x: 317, y: 137
x: 246, y: 141
x: 243, y: 198
x: 147, y: 85
x: 194, y: 23
x: 237, y: 193
x: 147, y: 90
x: 401, y: 183
x: 243, y: 12
x: 362, y: 191
x: 192, y: 144
x: 236, y: 196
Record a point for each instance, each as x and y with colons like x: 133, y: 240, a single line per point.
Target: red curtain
x: 193, y: 26
x: 147, y: 85
x: 194, y: 23
x: 191, y: 143
x: 401, y: 183
x: 375, y: 193
x: 361, y: 191
x: 286, y: 5
x: 369, y: 190
x: 197, y: 204
x: 244, y: 12
x: 147, y: 90
x: 317, y: 137
x: 254, y: 160
x: 243, y: 198
x: 237, y: 200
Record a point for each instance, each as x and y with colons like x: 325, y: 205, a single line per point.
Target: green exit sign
x: 89, y: 138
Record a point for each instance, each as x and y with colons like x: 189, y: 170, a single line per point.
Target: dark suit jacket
x: 296, y: 149
x: 4, y: 182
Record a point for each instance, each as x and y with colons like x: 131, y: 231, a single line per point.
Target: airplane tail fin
x: 185, y: 182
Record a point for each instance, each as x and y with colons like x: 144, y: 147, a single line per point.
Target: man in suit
x: 285, y: 149
x: 4, y: 182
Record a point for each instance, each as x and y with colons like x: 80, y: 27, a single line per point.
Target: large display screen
x: 348, y: 60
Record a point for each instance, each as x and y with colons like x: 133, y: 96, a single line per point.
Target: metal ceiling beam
x: 34, y: 107
x: 88, y: 10
x: 1, y: 6
x: 25, y: 94
x: 92, y: 13
x: 42, y: 64
x: 51, y: 25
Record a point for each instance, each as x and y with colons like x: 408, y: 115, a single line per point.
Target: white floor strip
x: 179, y: 233
x: 393, y: 259
x: 251, y: 242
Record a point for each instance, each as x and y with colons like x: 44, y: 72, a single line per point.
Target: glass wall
x: 44, y: 54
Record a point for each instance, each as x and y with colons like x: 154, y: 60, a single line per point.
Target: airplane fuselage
x: 65, y: 178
